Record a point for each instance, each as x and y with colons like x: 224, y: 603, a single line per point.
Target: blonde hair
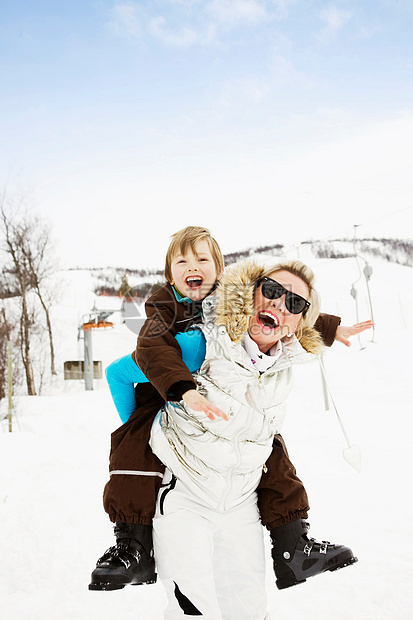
x: 306, y: 274
x: 189, y: 237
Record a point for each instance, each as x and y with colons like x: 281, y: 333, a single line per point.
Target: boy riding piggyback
x: 193, y: 265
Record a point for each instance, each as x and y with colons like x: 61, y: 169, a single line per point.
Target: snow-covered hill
x: 53, y: 467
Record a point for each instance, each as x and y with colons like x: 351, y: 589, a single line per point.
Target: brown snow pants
x: 136, y: 473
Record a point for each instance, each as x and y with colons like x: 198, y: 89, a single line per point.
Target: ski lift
x: 94, y: 320
x: 97, y: 320
x: 367, y: 272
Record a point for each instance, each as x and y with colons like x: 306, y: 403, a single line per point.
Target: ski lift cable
x: 367, y: 271
x: 333, y: 402
x: 382, y: 217
x: 347, y: 230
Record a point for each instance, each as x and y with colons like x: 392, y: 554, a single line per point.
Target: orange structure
x: 97, y: 319
x: 97, y: 323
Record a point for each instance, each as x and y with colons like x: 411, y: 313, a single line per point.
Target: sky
x: 267, y: 121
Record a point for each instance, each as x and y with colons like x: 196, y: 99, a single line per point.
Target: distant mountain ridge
x: 400, y: 251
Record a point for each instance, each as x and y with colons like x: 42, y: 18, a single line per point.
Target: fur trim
x: 311, y: 340
x: 235, y: 304
x: 236, y: 298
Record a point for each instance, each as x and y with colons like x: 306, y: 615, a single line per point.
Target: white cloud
x: 334, y: 20
x: 250, y: 89
x: 187, y: 3
x: 192, y: 22
x: 232, y: 11
x: 281, y: 7
x: 125, y: 19
x: 183, y: 37
x: 284, y: 71
x: 131, y: 19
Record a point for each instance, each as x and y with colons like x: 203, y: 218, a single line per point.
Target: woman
x: 208, y: 535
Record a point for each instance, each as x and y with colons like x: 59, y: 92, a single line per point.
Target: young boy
x: 193, y: 264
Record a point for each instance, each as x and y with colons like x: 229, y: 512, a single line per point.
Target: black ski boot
x: 297, y: 557
x: 130, y: 561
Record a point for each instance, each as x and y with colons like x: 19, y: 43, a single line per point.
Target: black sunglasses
x: 293, y: 302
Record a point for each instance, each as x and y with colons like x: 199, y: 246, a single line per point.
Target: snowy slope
x: 53, y: 467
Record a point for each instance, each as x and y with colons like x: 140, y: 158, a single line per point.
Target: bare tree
x: 17, y: 274
x: 36, y: 249
x: 27, y: 247
x: 5, y: 336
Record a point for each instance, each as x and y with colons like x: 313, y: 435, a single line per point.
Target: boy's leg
x: 129, y: 499
x: 135, y: 472
x: 282, y: 497
x: 297, y: 557
x: 283, y: 503
x: 129, y: 562
x: 183, y: 541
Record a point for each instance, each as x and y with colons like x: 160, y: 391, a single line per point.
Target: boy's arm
x: 123, y: 373
x: 158, y: 353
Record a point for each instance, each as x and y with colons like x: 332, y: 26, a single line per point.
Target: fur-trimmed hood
x: 235, y: 304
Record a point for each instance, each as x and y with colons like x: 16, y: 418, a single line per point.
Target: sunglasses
x: 293, y: 302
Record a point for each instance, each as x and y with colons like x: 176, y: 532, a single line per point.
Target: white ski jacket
x: 221, y: 461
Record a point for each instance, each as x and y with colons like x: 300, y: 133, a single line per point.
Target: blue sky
x: 267, y: 121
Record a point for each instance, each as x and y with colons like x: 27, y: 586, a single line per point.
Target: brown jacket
x: 157, y: 353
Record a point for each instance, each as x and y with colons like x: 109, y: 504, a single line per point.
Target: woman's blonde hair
x: 306, y: 274
x: 188, y: 238
x: 236, y: 299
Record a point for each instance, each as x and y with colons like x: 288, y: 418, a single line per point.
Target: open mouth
x: 266, y: 319
x: 194, y: 282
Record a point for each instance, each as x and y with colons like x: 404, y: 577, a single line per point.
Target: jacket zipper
x: 237, y: 464
x: 183, y: 462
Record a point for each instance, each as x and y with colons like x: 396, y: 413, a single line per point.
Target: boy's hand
x: 197, y: 402
x: 343, y: 333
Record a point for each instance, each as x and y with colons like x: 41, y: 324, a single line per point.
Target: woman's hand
x: 343, y: 333
x: 197, y: 402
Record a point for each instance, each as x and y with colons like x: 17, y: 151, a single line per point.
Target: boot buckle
x: 323, y: 546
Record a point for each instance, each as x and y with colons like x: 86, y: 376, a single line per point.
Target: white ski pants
x: 211, y: 563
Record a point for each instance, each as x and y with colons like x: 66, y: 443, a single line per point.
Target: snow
x: 53, y: 468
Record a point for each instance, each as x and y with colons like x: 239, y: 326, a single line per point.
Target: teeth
x: 194, y: 280
x: 271, y: 316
